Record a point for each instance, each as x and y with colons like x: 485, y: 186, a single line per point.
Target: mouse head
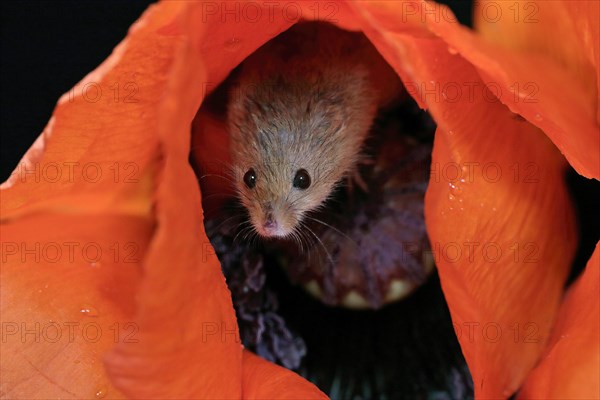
x: 277, y: 195
x: 292, y: 140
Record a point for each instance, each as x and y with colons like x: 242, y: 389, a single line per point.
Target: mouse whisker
x: 309, y: 243
x: 230, y: 173
x: 254, y: 240
x: 242, y: 194
x: 294, y: 235
x: 303, y: 235
x: 322, y: 245
x: 226, y: 206
x: 217, y: 176
x: 332, y: 227
x: 220, y: 225
x: 246, y: 229
x: 210, y: 196
x: 243, y: 200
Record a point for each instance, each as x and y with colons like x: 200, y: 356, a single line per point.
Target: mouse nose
x: 270, y: 223
x: 270, y: 226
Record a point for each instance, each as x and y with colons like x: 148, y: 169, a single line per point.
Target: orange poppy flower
x: 111, y: 288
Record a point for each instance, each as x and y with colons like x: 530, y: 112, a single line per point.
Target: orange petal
x: 187, y: 322
x: 264, y: 380
x: 185, y: 342
x: 571, y: 365
x: 210, y: 152
x: 183, y: 309
x: 68, y: 285
x: 573, y: 41
x: 562, y: 102
x: 497, y: 210
x: 129, y: 159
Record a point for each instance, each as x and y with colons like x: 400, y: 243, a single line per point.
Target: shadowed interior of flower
x: 462, y: 182
x: 496, y: 193
x: 369, y: 249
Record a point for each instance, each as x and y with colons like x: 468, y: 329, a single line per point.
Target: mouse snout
x: 270, y: 226
x: 270, y: 222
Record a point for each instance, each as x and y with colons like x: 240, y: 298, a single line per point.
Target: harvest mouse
x: 299, y: 114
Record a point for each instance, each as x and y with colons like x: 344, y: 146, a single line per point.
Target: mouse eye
x: 250, y: 178
x: 302, y: 179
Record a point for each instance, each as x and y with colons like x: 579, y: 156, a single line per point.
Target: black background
x: 47, y: 47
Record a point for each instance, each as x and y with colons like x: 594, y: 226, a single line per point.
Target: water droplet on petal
x: 101, y: 392
x: 538, y: 117
x: 455, y: 190
x: 452, y: 50
x: 232, y: 44
x: 88, y: 310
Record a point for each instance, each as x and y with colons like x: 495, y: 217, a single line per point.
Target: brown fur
x: 304, y: 100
